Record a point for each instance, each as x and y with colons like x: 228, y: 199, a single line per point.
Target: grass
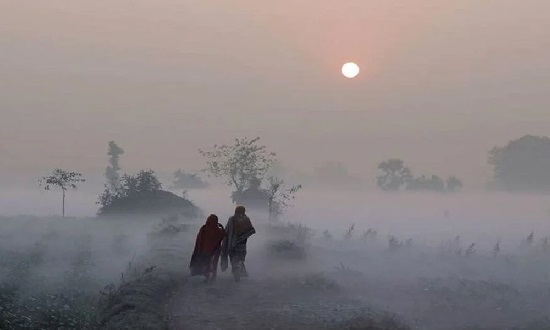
x: 30, y: 301
x: 77, y: 296
x: 64, y: 280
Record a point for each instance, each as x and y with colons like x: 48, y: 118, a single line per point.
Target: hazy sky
x: 442, y: 81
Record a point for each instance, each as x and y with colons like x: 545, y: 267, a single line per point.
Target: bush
x: 286, y: 249
x: 31, y: 302
x: 143, y: 194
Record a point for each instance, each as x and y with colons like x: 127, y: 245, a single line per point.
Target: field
x: 329, y: 264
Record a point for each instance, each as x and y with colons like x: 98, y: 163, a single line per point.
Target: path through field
x: 259, y: 304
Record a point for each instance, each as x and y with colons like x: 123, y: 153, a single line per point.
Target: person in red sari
x: 207, y: 249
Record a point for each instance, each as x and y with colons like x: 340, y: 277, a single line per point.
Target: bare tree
x: 63, y: 180
x: 279, y: 196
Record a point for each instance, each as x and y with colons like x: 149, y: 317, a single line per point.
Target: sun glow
x: 350, y: 70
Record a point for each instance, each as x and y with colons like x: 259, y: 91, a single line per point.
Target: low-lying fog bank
x: 474, y: 265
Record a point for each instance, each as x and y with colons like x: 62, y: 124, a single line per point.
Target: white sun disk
x: 350, y: 70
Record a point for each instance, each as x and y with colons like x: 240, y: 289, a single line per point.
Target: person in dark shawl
x: 207, y: 249
x: 239, y: 228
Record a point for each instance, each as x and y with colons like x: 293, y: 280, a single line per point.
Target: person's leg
x: 244, y: 272
x: 235, y: 267
x: 214, y: 267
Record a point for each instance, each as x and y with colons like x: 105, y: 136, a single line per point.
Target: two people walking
x: 214, y: 241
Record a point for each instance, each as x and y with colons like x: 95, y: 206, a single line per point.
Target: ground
x: 256, y: 304
x: 413, y: 288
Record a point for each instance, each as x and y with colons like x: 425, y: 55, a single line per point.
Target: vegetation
x: 187, y: 181
x: 48, y: 283
x: 29, y: 300
x: 279, y: 196
x: 289, y: 241
x: 521, y: 165
x: 239, y: 164
x: 142, y: 194
x: 396, y: 176
x: 63, y: 180
x: 433, y: 183
x: 113, y: 169
x: 453, y: 184
x: 245, y: 166
x: 254, y: 196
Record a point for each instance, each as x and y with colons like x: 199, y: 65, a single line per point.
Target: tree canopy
x: 433, y: 183
x: 395, y: 175
x: 184, y: 180
x: 279, y: 196
x: 522, y: 165
x: 240, y: 163
x: 62, y: 180
x: 142, y: 194
x: 112, y: 171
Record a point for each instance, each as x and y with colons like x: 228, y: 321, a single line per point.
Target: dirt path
x: 258, y: 304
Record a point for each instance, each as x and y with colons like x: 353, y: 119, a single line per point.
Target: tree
x: 433, y: 183
x: 453, y: 184
x: 63, y: 180
x: 239, y: 164
x: 522, y: 164
x: 131, y: 185
x: 395, y: 175
x: 279, y: 196
x: 254, y: 196
x: 142, y: 194
x: 184, y: 180
x: 111, y: 172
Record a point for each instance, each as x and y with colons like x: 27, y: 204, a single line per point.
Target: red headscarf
x: 210, y: 236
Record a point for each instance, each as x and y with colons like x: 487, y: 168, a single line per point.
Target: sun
x: 350, y: 70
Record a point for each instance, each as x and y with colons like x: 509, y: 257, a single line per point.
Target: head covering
x: 240, y: 210
x: 212, y: 220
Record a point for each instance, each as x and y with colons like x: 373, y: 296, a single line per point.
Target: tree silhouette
x: 184, y: 180
x: 433, y: 183
x: 395, y: 175
x: 240, y: 163
x: 522, y: 164
x: 253, y: 196
x: 63, y: 180
x: 453, y: 184
x: 142, y: 194
x: 279, y: 196
x: 111, y: 172
x: 131, y: 185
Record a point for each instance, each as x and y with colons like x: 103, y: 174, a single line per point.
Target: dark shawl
x: 239, y: 228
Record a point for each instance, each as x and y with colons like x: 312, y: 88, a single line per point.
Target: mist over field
x: 312, y: 264
x: 480, y: 216
x: 411, y: 192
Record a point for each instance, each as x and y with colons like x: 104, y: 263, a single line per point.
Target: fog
x: 429, y: 283
x: 480, y: 216
x: 442, y: 82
